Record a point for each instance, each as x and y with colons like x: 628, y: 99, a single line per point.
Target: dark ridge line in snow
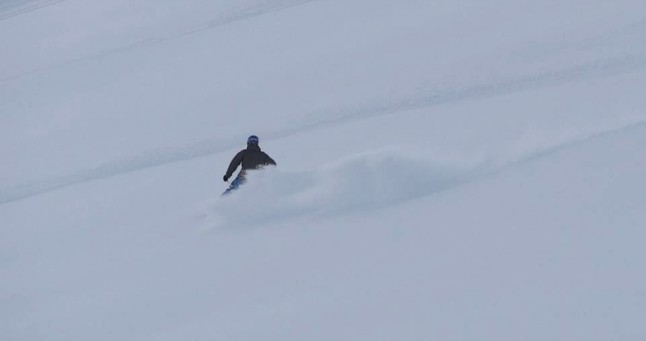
x: 242, y: 14
x: 27, y: 9
x: 575, y: 142
x: 159, y: 157
x: 539, y: 154
x: 429, y: 98
x: 536, y: 155
x: 238, y: 14
x: 149, y: 159
x: 487, y: 169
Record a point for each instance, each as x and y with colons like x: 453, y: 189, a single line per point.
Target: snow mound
x: 358, y: 183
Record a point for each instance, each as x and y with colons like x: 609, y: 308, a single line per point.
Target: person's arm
x: 269, y: 160
x: 233, y: 165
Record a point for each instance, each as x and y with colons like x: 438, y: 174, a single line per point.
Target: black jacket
x: 251, y: 158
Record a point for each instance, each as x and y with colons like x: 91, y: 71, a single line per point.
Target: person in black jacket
x: 251, y: 158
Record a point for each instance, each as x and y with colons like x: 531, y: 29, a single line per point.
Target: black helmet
x: 253, y: 139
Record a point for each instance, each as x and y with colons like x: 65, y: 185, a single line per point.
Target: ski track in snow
x: 160, y: 157
x: 368, y: 181
x: 241, y: 13
x: 30, y: 7
x: 435, y: 97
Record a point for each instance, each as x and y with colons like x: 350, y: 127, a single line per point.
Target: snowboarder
x: 250, y: 158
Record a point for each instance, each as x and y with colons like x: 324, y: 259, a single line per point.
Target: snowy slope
x: 448, y: 170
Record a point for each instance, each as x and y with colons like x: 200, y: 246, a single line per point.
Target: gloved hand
x: 225, y: 178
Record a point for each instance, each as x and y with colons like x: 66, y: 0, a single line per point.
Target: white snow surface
x: 447, y: 170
